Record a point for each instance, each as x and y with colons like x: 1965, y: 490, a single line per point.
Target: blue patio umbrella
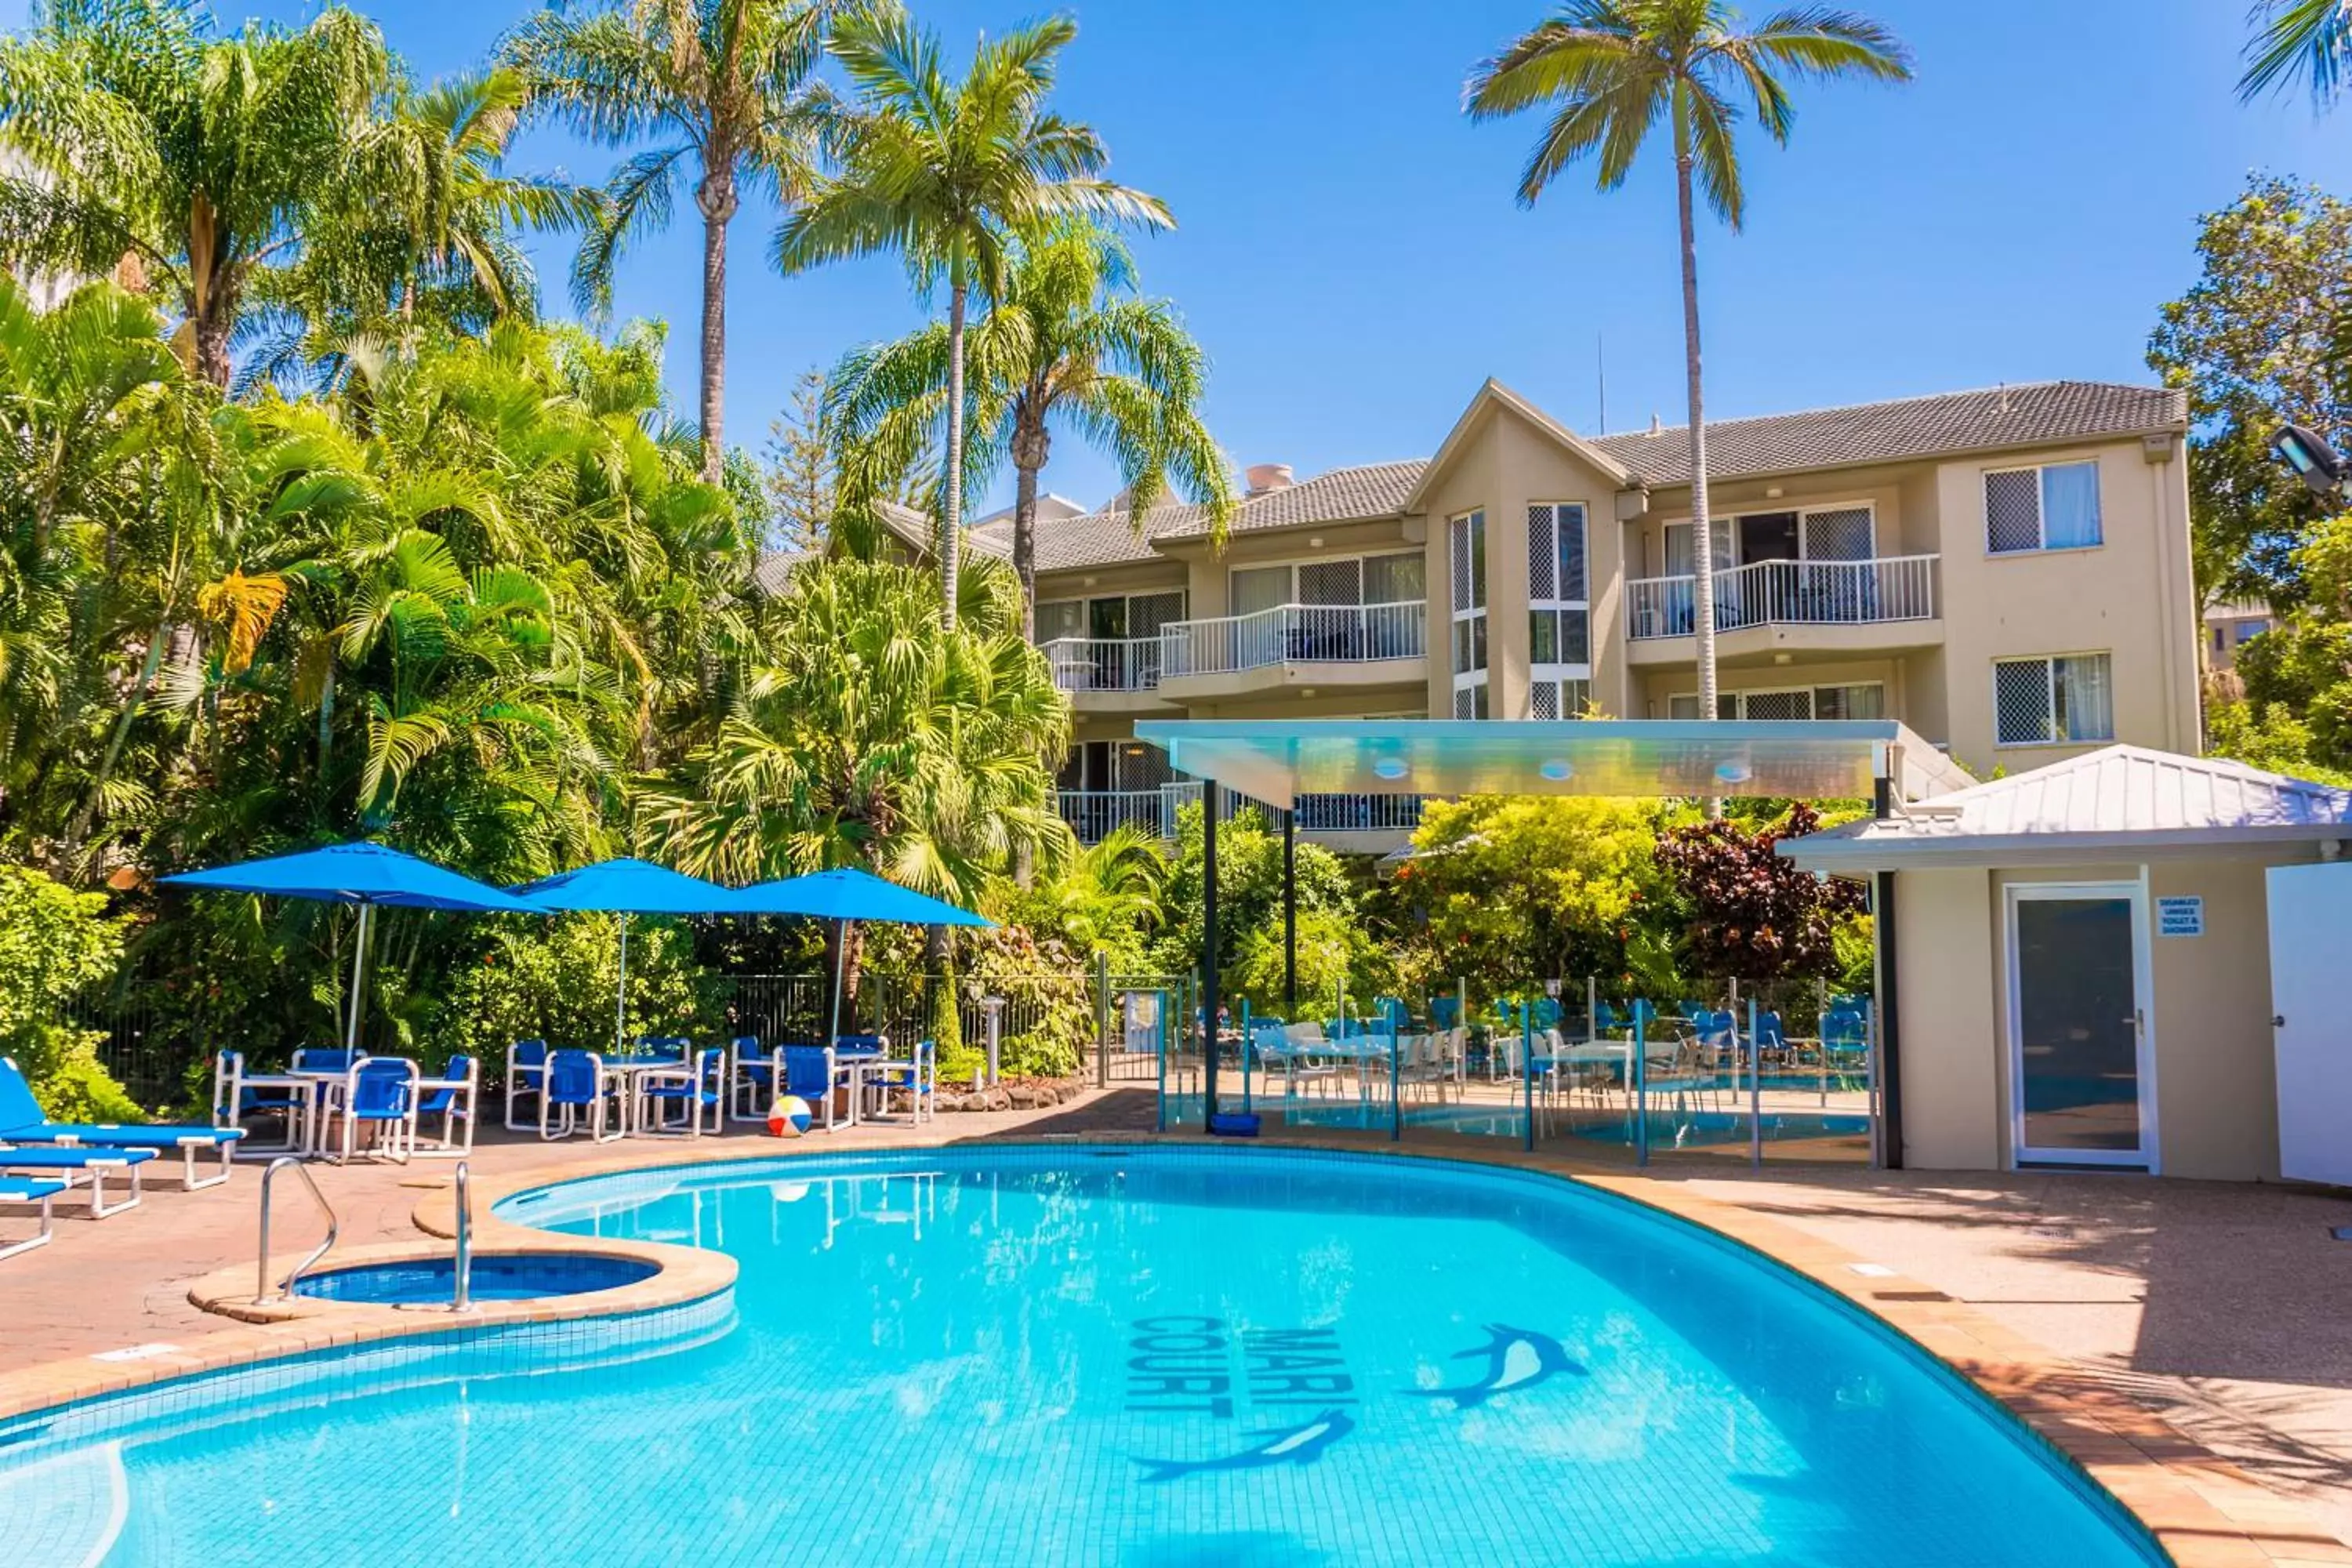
x: 846, y: 894
x: 364, y: 874
x: 629, y: 886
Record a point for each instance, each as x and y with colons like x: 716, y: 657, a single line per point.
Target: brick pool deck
x: 2190, y: 1344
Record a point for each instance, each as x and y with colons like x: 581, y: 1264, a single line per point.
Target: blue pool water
x: 494, y: 1278
x: 1075, y: 1355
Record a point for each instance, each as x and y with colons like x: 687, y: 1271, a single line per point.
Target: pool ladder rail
x: 262, y: 1293
x: 461, y: 1296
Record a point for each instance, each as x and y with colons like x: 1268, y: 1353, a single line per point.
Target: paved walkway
x: 2225, y: 1310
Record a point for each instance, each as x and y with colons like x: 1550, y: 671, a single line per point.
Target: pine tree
x: 798, y: 472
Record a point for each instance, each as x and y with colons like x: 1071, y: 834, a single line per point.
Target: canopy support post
x: 1209, y: 953
x: 1290, y: 914
x: 359, y: 972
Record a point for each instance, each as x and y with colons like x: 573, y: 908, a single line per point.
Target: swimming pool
x: 1155, y: 1357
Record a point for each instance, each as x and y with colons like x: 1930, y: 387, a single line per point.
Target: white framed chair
x: 753, y: 1078
x: 574, y: 1090
x: 452, y: 1097
x: 237, y: 1094
x: 380, y: 1094
x: 526, y: 1075
x: 693, y: 1094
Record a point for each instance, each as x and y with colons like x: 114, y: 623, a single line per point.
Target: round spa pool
x: 1074, y: 1354
x: 496, y: 1276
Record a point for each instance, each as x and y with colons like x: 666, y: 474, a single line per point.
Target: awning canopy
x: 1276, y: 761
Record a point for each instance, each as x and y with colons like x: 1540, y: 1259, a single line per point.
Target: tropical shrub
x: 1249, y: 889
x: 1753, y: 914
x: 1049, y: 1013
x: 54, y: 945
x: 556, y: 980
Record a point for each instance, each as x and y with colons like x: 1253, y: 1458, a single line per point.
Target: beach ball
x: 790, y: 1117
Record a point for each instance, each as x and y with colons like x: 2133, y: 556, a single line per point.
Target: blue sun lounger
x: 22, y: 1121
x: 29, y: 1190
x: 63, y: 1165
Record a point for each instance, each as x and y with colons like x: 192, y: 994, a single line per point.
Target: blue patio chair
x: 752, y: 1078
x: 380, y: 1094
x: 22, y: 1121
x: 29, y: 1190
x: 1445, y: 1012
x: 326, y: 1058
x: 861, y: 1045
x: 698, y: 1095
x: 93, y: 1165
x: 917, y: 1075
x: 1771, y: 1042
x: 672, y: 1045
x: 574, y: 1089
x: 810, y: 1073
x: 451, y: 1098
x: 526, y: 1068
x: 1845, y: 1042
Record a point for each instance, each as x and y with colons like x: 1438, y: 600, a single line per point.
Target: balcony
x: 1769, y: 605
x: 1346, y: 645
x: 1374, y: 823
x: 1107, y: 674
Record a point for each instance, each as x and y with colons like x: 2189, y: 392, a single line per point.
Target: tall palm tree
x: 1610, y: 69
x: 725, y: 89
x: 2310, y: 39
x: 943, y: 173
x: 200, y: 158
x: 1066, y: 345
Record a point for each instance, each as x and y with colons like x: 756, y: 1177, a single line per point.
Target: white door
x: 2310, y: 947
x: 2082, y: 1069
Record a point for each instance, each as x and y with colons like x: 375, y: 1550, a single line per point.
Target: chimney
x: 1265, y: 477
x: 1655, y: 427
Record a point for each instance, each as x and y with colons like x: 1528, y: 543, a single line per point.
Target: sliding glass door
x: 2082, y: 1077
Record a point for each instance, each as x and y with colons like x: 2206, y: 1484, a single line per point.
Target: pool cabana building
x: 2081, y: 966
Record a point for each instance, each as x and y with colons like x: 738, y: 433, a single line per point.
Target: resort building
x: 2230, y: 624
x: 2006, y: 572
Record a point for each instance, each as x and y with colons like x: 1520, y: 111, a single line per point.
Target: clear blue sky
x: 1350, y: 254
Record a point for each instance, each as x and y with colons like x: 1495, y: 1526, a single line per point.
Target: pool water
x: 495, y: 1277
x: 1079, y: 1356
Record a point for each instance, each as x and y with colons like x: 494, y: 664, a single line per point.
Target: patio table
x: 301, y: 1087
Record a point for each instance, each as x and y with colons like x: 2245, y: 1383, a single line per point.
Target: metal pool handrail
x: 261, y: 1278
x: 463, y: 1299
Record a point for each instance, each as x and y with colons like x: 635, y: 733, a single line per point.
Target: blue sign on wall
x: 2181, y: 917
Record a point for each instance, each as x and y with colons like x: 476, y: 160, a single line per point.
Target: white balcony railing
x: 1788, y: 593
x: 1093, y: 814
x: 1295, y: 634
x: 1104, y: 664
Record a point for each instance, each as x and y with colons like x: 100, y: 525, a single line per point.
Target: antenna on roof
x: 1601, y: 368
x: 1655, y: 427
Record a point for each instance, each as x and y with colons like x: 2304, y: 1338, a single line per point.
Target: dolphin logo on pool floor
x: 1291, y: 1445
x: 1517, y: 1359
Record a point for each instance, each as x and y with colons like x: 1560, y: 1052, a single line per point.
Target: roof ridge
x: 2220, y: 766
x: 1891, y: 402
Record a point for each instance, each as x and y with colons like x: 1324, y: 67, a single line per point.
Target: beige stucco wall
x: 2216, y: 1092
x: 1943, y: 923
x: 2129, y: 597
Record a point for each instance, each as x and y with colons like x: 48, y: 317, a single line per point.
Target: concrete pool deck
x: 2188, y: 1342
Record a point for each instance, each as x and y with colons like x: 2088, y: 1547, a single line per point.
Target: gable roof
x: 2126, y: 801
x: 2033, y: 415
x: 1492, y: 394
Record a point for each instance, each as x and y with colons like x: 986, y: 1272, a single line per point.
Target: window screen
x: 1331, y: 582
x: 2013, y: 511
x: 1543, y: 565
x: 1779, y: 704
x: 1841, y: 535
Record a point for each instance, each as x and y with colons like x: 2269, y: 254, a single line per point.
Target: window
x: 1059, y: 618
x: 1554, y: 699
x: 2054, y: 507
x: 1394, y: 579
x: 1465, y: 550
x: 2053, y: 702
x: 1559, y: 615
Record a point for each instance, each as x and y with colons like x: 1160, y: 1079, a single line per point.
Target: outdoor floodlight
x: 2316, y: 463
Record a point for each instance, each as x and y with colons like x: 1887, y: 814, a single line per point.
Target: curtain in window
x: 2086, y: 700
x: 1679, y: 553
x: 2070, y: 505
x: 1259, y: 588
x: 1060, y: 619
x: 1393, y: 579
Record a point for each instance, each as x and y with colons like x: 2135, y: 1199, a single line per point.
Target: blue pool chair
x: 672, y: 1045
x: 238, y: 1093
x: 810, y: 1073
x: 93, y: 1164
x: 451, y: 1098
x: 381, y: 1095
x: 575, y: 1092
x: 752, y: 1078
x: 917, y: 1075
x: 29, y: 1190
x: 326, y: 1058
x: 526, y: 1068
x: 861, y: 1046
x: 22, y: 1121
x: 696, y: 1091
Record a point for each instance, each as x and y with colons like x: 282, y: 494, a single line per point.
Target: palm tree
x: 943, y: 174
x: 725, y: 87
x: 1066, y: 345
x: 198, y: 158
x: 2299, y: 38
x: 1613, y: 67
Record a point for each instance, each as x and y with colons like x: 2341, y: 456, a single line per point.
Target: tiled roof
x: 1107, y: 538
x: 2119, y: 797
x: 1342, y: 495
x: 2024, y: 416
x: 774, y: 572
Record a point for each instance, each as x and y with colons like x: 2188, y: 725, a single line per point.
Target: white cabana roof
x: 2122, y: 802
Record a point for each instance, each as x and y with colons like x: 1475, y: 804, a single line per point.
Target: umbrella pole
x: 621, y: 1001
x: 358, y: 959
x: 840, y: 962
